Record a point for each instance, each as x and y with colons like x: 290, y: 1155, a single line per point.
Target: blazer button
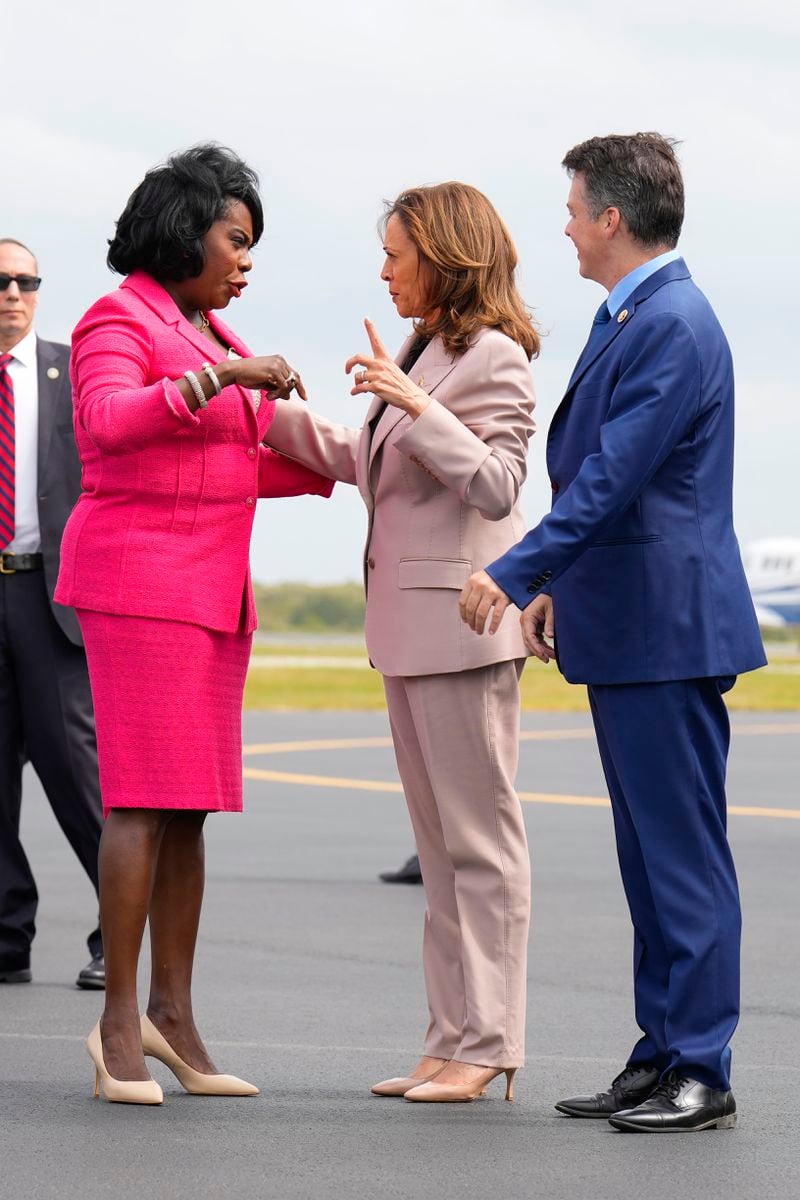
x: 371, y: 563
x: 531, y: 588
x: 251, y: 451
x: 250, y: 501
x: 547, y: 575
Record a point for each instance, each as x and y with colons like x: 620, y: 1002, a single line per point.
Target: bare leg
x: 174, y: 919
x: 129, y: 850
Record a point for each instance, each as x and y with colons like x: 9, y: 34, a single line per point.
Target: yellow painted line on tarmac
x: 326, y: 781
x: 530, y: 735
x: 386, y: 785
x: 759, y: 730
x: 556, y: 735
x: 367, y: 743
x: 571, y: 801
x: 320, y: 744
x: 786, y: 814
x: 527, y: 735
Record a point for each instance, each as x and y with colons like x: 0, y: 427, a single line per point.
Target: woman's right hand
x: 270, y: 373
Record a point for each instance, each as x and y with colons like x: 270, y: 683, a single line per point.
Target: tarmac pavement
x: 308, y: 982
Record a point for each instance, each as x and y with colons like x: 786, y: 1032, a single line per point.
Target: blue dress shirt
x: 629, y: 283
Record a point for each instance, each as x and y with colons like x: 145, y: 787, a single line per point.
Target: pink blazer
x: 162, y: 528
x: 442, y: 494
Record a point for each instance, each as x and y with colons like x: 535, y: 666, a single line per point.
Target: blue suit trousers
x: 664, y: 749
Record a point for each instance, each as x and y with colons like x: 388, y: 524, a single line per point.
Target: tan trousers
x: 456, y: 738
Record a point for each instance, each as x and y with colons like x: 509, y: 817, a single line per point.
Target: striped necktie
x: 7, y: 476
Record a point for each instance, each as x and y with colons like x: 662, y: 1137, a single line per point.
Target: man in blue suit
x: 637, y: 575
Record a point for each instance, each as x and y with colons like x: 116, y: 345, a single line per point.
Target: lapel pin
x: 53, y: 372
x: 622, y: 316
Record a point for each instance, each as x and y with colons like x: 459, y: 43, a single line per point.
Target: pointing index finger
x: 378, y: 348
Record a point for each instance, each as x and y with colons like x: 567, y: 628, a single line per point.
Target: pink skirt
x: 168, y: 708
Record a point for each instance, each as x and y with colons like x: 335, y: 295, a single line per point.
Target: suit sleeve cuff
x: 178, y: 405
x: 444, y: 447
x: 522, y: 591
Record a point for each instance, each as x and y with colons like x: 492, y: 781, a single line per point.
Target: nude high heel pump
x: 123, y: 1091
x: 400, y: 1084
x: 155, y: 1045
x: 443, y: 1093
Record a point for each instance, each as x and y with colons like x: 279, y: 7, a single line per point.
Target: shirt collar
x: 25, y: 350
x: 629, y: 283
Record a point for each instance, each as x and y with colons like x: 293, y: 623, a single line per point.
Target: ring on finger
x: 361, y: 377
x: 291, y: 380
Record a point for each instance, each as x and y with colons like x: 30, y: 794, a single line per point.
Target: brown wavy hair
x: 468, y: 262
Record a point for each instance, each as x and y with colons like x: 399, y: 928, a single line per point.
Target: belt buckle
x: 4, y: 570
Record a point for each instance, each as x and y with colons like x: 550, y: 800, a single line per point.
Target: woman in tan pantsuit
x: 439, y: 463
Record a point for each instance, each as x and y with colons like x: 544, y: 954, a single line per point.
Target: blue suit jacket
x: 639, y: 551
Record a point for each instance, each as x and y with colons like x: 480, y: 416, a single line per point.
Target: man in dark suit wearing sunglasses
x: 46, y: 711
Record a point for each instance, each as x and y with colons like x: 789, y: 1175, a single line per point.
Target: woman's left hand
x: 382, y: 376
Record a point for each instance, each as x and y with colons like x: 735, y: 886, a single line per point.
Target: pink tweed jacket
x: 162, y: 528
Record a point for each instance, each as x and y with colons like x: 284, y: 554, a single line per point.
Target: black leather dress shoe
x: 93, y: 975
x: 15, y: 975
x: 679, y: 1105
x: 631, y: 1087
x: 408, y: 873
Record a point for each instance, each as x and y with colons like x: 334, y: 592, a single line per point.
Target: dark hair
x: 175, y: 205
x: 468, y: 262
x: 639, y: 174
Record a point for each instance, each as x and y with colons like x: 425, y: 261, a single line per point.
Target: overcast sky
x: 339, y: 105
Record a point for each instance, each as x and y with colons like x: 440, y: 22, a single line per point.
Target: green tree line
x: 339, y: 608
x: 310, y: 608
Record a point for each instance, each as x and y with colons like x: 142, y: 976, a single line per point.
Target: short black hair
x: 175, y: 205
x: 639, y: 174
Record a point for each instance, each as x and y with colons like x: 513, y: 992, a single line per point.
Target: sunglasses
x: 25, y: 283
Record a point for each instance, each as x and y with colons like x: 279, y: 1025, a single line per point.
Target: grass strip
x: 543, y: 689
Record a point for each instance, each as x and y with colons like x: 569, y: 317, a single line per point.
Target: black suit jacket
x: 59, y: 468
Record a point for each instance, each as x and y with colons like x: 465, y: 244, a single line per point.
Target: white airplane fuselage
x: 773, y: 573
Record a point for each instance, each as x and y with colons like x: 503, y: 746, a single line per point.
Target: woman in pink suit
x: 171, y: 411
x: 439, y: 463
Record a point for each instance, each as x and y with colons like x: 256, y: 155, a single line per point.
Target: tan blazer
x: 442, y: 494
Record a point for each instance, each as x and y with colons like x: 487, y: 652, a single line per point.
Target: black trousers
x: 46, y: 716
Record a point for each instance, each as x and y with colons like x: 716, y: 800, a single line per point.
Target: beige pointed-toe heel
x: 453, y: 1093
x: 120, y: 1091
x: 400, y: 1084
x: 155, y: 1045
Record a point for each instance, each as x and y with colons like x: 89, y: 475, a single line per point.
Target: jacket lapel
x: 593, y: 349
x: 260, y: 419
x: 160, y: 301
x: 672, y: 271
x: 364, y: 452
x: 51, y: 375
x: 431, y: 368
x: 376, y: 403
